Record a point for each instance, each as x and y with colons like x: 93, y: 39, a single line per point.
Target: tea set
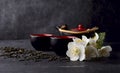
x: 58, y: 44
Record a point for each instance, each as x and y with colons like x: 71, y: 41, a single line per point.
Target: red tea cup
x: 41, y: 42
x: 59, y: 44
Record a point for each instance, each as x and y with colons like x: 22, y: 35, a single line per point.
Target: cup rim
x: 63, y: 37
x: 41, y: 35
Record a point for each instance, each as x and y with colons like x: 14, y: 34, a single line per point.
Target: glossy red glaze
x: 81, y: 29
x: 41, y: 35
x: 63, y: 37
x: 80, y: 26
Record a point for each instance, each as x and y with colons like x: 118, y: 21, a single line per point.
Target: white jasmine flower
x: 92, y: 41
x: 84, y: 41
x: 91, y: 52
x: 105, y: 51
x: 76, y: 49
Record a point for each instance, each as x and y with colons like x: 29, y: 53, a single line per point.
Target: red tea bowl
x: 41, y: 42
x: 59, y: 44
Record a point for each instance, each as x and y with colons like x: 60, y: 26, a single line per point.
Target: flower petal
x: 108, y: 48
x: 82, y: 53
x: 105, y: 51
x: 85, y: 39
x: 77, y: 40
x: 93, y: 40
x: 96, y: 37
x: 68, y: 53
x: 71, y: 44
x: 75, y: 58
x: 73, y: 52
x: 82, y: 57
x: 91, y: 52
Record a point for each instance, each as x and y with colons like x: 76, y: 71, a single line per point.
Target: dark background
x: 20, y: 18
x: 106, y: 15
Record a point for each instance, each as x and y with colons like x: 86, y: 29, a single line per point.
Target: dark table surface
x: 11, y: 65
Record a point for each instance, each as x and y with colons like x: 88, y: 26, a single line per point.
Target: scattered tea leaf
x: 26, y: 55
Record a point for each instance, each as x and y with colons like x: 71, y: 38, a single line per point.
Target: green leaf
x: 101, y: 39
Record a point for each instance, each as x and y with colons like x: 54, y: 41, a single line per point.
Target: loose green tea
x: 26, y: 55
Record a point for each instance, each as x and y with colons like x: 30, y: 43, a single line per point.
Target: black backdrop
x: 19, y: 18
x: 106, y: 15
